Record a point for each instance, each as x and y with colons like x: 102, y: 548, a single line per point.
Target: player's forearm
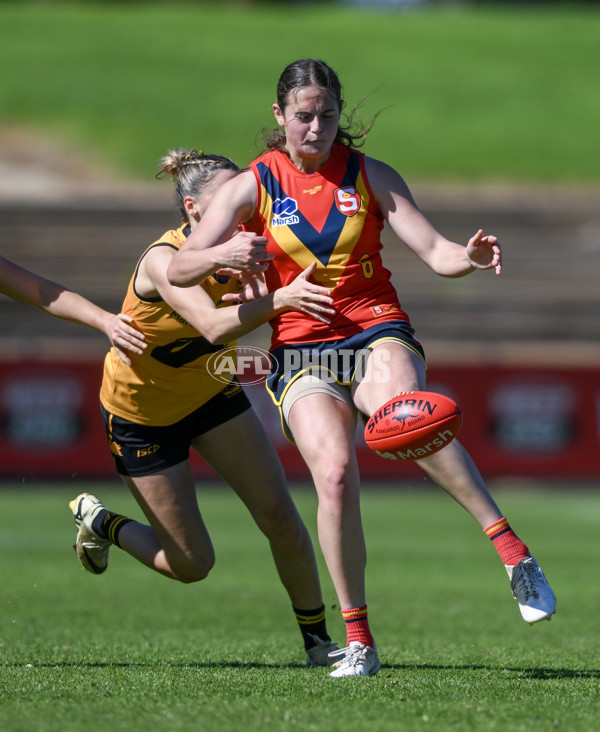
x: 68, y: 305
x: 192, y: 266
x: 228, y: 323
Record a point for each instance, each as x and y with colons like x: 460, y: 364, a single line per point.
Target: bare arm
x: 219, y: 325
x: 216, y: 241
x: 31, y: 289
x: 445, y: 257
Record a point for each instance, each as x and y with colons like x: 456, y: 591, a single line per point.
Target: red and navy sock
x: 508, y: 545
x: 108, y: 525
x: 357, y: 626
x: 312, y: 623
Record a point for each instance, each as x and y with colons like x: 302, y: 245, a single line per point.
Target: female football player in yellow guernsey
x: 59, y: 301
x: 167, y: 401
x: 316, y: 199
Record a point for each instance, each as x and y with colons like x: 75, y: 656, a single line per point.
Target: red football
x: 413, y: 425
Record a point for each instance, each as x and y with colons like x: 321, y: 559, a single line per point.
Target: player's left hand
x: 126, y: 338
x: 484, y: 252
x: 306, y: 296
x: 253, y: 285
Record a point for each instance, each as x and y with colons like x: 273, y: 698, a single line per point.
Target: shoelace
x: 353, y: 655
x: 525, y: 580
x: 319, y: 642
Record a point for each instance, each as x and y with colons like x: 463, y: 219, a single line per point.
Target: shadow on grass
x: 542, y: 673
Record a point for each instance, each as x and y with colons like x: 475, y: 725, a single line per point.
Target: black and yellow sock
x: 312, y: 623
x: 108, y: 525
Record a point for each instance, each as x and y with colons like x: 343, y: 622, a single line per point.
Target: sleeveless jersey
x: 169, y: 380
x: 330, y: 216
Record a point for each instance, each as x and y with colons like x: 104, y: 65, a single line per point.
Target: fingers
x: 320, y: 312
x: 474, y: 241
x: 260, y: 266
x: 131, y: 339
x: 485, y: 252
x: 126, y: 360
x: 317, y: 305
x: 232, y: 297
x: 228, y: 272
x: 125, y: 328
x: 496, y: 252
x: 125, y: 336
x: 247, y: 251
x: 497, y: 255
x: 306, y: 273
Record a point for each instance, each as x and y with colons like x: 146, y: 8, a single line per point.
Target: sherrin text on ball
x: 413, y: 425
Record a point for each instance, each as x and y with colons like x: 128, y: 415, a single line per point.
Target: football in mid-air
x: 413, y: 425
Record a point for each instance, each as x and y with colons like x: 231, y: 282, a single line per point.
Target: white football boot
x: 531, y: 590
x: 91, y: 549
x: 318, y: 655
x: 359, y: 660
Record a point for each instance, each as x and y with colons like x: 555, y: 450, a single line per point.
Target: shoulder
x: 244, y: 181
x: 171, y: 238
x: 238, y: 194
x: 267, y: 156
x: 378, y: 169
x: 157, y: 255
x: 385, y: 179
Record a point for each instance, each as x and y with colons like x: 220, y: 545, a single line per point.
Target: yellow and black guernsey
x: 170, y: 379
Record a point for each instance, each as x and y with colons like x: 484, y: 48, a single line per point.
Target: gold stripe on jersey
x: 170, y: 379
x: 331, y: 272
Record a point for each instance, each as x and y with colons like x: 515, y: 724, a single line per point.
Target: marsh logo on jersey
x: 284, y: 212
x: 347, y: 200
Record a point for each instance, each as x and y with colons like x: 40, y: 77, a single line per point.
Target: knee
x: 282, y: 522
x: 192, y: 569
x: 335, y: 483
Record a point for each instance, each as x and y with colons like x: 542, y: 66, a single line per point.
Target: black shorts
x: 140, y: 449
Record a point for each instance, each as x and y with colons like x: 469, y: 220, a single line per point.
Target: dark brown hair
x: 314, y: 72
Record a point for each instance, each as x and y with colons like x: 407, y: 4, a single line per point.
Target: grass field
x: 491, y: 94
x: 496, y: 93
x: 133, y: 651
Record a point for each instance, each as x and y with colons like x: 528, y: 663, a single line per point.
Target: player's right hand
x: 245, y: 250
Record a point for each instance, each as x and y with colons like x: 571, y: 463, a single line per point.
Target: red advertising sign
x: 524, y: 422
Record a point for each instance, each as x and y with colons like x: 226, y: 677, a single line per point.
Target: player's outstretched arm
x: 31, y: 289
x: 444, y: 257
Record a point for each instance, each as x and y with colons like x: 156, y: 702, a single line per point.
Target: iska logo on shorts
x: 248, y: 364
x: 284, y: 212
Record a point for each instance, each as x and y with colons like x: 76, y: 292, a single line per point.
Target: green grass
x: 133, y: 651
x: 486, y: 93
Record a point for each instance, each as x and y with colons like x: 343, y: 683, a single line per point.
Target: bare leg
x: 176, y: 543
x: 327, y: 446
x: 393, y: 368
x: 256, y: 475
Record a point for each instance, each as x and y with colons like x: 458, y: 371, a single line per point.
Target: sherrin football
x: 413, y: 425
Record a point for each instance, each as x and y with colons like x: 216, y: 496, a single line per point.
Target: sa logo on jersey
x: 347, y: 200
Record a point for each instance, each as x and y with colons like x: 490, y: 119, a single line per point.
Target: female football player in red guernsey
x: 315, y: 198
x: 169, y: 401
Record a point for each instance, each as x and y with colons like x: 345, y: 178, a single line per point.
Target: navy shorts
x: 336, y: 365
x: 140, y: 449
x: 341, y: 360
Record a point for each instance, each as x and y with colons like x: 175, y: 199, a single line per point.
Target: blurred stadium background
x: 520, y: 352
